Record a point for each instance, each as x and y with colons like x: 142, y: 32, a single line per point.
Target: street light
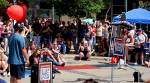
x: 53, y: 12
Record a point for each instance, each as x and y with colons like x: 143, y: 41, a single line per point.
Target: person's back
x: 2, y: 81
x: 16, y: 43
x: 17, y: 54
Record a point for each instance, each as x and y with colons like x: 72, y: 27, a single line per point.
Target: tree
x: 77, y: 8
x: 3, y: 5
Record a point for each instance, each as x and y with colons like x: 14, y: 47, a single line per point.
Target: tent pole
x: 126, y: 5
x: 147, y: 27
x: 140, y: 26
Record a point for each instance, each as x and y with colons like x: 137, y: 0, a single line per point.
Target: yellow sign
x: 145, y: 5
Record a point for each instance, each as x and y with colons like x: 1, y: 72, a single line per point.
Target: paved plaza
x: 102, y: 73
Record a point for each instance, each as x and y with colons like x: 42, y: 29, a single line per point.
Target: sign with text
x: 119, y: 47
x: 144, y: 4
x: 45, y: 72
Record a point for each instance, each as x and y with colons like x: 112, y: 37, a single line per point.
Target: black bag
x: 137, y: 77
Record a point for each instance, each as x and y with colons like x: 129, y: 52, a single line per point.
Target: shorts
x: 17, y: 71
x: 56, y: 55
x: 139, y: 50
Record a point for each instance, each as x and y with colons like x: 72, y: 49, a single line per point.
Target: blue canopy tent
x: 89, y: 21
x: 136, y: 16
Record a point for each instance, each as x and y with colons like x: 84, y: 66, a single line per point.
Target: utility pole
x: 126, y: 5
x: 14, y: 2
x: 53, y: 12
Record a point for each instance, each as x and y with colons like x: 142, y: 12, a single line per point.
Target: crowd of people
x: 42, y: 40
x: 140, y: 42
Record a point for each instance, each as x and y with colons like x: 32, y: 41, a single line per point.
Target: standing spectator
x: 1, y: 24
x: 75, y: 34
x: 81, y: 32
x: 37, y: 30
x: 7, y: 30
x: 99, y: 31
x: 29, y: 35
x: 88, y: 35
x: 131, y: 35
x: 105, y: 30
x: 69, y: 36
x: 17, y: 54
x: 139, y: 46
x: 106, y: 35
x: 93, y: 34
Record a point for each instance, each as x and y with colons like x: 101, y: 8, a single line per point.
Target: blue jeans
x: 63, y: 48
x: 94, y: 42
x: 51, y: 60
x: 75, y: 44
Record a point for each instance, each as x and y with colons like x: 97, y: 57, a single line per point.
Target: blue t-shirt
x: 2, y: 81
x: 16, y: 43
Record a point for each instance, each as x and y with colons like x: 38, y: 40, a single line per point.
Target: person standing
x: 99, y: 32
x: 17, y: 54
x: 139, y: 46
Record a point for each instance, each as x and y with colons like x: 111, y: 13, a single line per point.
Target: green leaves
x: 78, y: 8
x: 4, y: 3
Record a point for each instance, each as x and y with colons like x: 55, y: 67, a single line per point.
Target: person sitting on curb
x: 56, y: 53
x: 42, y: 55
x: 3, y: 60
x: 84, y: 51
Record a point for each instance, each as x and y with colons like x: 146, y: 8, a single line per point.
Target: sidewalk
x: 101, y: 73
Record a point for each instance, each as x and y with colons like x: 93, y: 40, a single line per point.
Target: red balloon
x: 24, y: 12
x: 16, y: 12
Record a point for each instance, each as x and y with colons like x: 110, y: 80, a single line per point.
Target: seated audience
x: 56, y: 53
x: 3, y: 60
x: 61, y: 43
x: 84, y: 51
x: 43, y: 55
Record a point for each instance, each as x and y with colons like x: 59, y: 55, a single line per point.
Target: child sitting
x: 57, y: 55
x: 84, y: 51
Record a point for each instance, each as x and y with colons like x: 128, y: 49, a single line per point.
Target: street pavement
x: 104, y: 72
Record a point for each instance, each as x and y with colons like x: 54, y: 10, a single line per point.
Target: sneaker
x: 63, y: 64
x: 4, y: 74
x: 56, y: 70
x: 142, y: 64
x: 135, y: 63
x: 8, y: 74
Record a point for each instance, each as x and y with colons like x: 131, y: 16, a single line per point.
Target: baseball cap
x: 139, y: 29
x: 19, y: 26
